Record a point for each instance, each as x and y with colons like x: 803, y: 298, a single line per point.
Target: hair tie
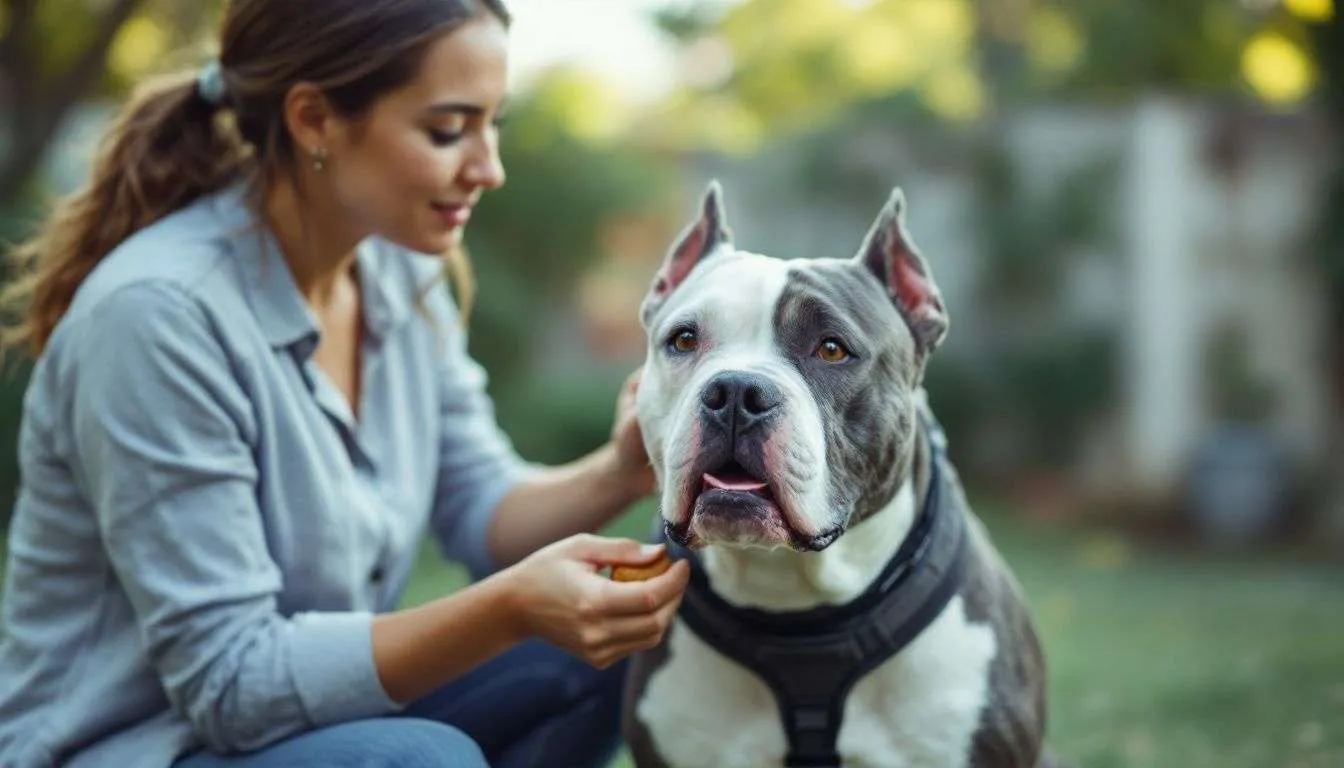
x: 210, y: 83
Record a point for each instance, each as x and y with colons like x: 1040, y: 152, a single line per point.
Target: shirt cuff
x: 334, y: 670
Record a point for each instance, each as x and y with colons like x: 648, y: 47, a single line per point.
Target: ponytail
x: 168, y: 147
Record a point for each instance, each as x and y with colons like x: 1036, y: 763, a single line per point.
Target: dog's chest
x: 921, y: 708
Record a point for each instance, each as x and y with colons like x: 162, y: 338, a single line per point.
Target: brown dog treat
x: 641, y: 573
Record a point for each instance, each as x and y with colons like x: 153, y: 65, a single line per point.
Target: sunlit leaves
x: 955, y: 94
x: 1311, y: 10
x: 1277, y: 69
x: 798, y: 63
x: 138, y: 48
x: 880, y: 57
x: 580, y: 103
x: 1054, y: 42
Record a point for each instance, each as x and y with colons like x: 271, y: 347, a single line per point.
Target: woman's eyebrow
x: 461, y: 107
x: 456, y: 107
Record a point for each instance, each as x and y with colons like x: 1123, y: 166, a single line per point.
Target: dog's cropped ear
x: 890, y: 254
x: 701, y: 238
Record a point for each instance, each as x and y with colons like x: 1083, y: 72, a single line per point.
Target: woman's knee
x: 390, y: 742
x: 418, y: 743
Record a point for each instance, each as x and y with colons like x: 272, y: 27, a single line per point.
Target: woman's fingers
x: 610, y: 636
x: 614, y: 654
x: 602, y: 620
x: 628, y: 635
x: 602, y: 550
x: 625, y: 598
x: 630, y: 630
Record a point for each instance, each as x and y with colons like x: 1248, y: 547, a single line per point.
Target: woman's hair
x: 175, y: 140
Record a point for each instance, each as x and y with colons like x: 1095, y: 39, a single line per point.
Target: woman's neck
x: 317, y: 243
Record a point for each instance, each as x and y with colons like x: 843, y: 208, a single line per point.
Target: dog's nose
x: 739, y: 399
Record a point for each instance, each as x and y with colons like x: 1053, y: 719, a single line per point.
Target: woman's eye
x: 684, y: 341
x: 444, y: 138
x: 832, y: 351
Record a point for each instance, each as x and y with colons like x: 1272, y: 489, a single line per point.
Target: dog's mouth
x: 734, y: 507
x: 731, y: 480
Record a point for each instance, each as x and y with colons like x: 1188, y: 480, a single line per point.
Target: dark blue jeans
x: 532, y: 706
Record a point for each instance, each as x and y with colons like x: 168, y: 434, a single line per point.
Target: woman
x: 251, y: 399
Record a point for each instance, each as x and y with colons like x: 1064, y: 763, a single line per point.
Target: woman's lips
x: 452, y: 214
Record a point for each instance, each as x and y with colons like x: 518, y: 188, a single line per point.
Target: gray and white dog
x: 847, y: 606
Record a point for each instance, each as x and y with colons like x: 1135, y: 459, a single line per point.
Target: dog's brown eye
x: 832, y: 351
x: 686, y: 341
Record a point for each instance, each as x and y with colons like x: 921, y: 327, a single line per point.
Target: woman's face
x: 411, y: 169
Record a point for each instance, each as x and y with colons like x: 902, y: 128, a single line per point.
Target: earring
x: 319, y: 159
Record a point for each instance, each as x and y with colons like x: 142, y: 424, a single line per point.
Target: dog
x: 847, y: 607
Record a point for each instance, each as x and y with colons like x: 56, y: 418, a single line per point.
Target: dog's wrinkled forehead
x: 737, y: 293
x: 788, y: 304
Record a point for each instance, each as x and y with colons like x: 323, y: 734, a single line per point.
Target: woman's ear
x: 310, y: 119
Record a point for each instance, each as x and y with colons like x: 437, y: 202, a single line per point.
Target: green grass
x: 1184, y: 659
x: 1158, y: 658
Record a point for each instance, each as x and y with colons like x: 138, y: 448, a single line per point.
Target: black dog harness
x: 812, y: 659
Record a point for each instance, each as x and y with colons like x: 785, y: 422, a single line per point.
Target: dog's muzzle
x: 732, y: 490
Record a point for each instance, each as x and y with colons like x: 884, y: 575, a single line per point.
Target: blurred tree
x: 1328, y: 46
x: 687, y: 23
x: 42, y: 75
x: 1110, y: 51
x: 1053, y: 379
x: 798, y: 65
x: 571, y: 176
x: 57, y: 53
x: 1181, y: 45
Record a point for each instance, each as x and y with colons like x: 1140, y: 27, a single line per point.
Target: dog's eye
x: 832, y: 351
x: 684, y: 340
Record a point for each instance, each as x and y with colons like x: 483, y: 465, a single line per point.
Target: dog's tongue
x: 734, y: 482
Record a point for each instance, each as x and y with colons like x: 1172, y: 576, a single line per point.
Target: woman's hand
x: 558, y: 594
x: 632, y: 461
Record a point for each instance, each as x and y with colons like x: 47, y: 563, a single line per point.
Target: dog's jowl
x: 847, y: 607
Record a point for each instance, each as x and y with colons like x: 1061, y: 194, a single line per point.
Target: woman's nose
x: 484, y: 168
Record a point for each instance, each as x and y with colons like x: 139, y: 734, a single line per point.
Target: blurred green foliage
x: 1179, y: 45
x: 530, y: 241
x: 794, y: 75
x: 1328, y: 43
x: 543, y: 225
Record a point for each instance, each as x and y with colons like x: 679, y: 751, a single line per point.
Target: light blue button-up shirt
x: 204, y: 530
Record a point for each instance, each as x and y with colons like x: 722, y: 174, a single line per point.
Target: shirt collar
x: 285, y: 317
x: 383, y: 288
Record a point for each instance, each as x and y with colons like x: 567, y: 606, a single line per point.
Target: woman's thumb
x: 605, y: 550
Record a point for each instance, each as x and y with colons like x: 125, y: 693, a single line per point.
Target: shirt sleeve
x: 478, y: 465
x: 163, y: 430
